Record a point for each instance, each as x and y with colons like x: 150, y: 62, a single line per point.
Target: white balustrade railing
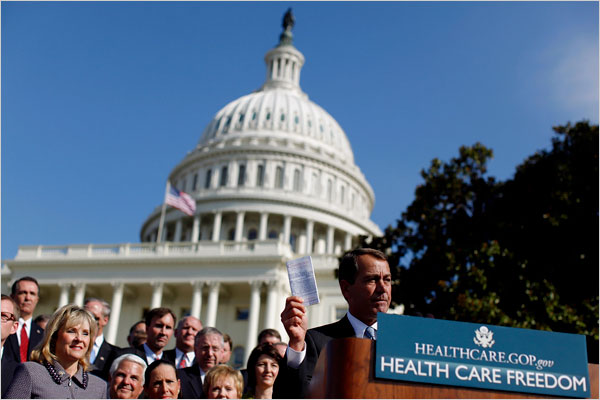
x: 165, y: 249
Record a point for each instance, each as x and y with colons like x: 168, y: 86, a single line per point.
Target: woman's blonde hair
x: 223, y: 371
x: 64, y: 318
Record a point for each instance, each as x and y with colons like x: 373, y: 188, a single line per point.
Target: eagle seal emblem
x: 484, y: 337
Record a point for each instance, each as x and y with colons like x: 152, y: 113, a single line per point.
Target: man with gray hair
x: 208, y: 347
x: 185, y: 338
x: 126, y: 378
x: 103, y: 353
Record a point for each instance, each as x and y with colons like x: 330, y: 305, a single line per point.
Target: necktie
x: 370, y: 333
x: 183, y: 362
x: 24, y: 343
x: 93, y: 353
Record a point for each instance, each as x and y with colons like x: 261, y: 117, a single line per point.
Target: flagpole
x: 162, y: 213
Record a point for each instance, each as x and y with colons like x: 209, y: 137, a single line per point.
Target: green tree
x: 523, y: 252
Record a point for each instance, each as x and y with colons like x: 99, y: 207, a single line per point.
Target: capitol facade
x: 273, y: 177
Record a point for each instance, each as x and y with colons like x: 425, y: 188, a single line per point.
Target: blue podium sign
x: 481, y: 356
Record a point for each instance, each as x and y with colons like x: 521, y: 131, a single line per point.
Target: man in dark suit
x: 208, y: 349
x: 185, y: 337
x: 160, y: 323
x: 10, y: 323
x: 366, y: 284
x: 103, y: 353
x: 25, y: 292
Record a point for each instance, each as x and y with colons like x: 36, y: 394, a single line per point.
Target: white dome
x: 280, y: 113
x: 273, y: 151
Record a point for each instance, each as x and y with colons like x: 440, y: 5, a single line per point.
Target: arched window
x: 242, y: 175
x: 207, y: 179
x: 294, y: 242
x: 260, y: 175
x: 223, y: 181
x: 297, y: 181
x: 195, y: 183
x: 279, y: 178
x: 316, y: 185
x: 252, y: 235
x: 273, y: 234
x: 238, y: 356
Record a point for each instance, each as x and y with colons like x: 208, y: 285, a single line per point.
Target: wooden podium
x: 346, y: 370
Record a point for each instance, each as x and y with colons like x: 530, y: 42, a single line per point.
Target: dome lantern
x: 284, y: 61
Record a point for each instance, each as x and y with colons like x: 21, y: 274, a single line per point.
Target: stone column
x: 287, y: 228
x: 115, y: 314
x: 253, y: 315
x: 348, y: 241
x: 196, y: 299
x: 177, y: 237
x: 196, y: 229
x: 262, y: 228
x: 213, y: 303
x: 157, y: 292
x: 79, y: 293
x: 63, y: 300
x: 217, y: 227
x: 310, y: 225
x: 283, y: 291
x: 239, y: 226
x: 330, y: 232
x: 271, y: 306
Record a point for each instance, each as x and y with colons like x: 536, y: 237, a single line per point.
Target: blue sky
x: 100, y: 100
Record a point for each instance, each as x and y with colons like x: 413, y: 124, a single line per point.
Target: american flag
x: 181, y: 201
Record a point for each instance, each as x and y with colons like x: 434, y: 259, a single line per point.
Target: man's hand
x: 295, y: 322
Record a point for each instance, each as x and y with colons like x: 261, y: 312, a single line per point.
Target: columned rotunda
x: 274, y: 178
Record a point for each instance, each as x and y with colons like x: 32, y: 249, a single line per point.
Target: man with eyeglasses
x: 208, y: 347
x: 103, y: 353
x: 10, y: 323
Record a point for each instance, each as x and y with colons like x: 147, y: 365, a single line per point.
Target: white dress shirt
x: 96, y: 348
x: 150, y: 355
x: 27, y: 329
x: 189, y: 361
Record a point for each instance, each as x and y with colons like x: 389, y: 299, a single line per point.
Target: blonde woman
x: 223, y: 382
x: 59, y: 364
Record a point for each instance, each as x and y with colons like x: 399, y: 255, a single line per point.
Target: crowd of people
x: 68, y: 357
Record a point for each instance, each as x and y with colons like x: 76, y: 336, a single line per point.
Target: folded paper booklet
x: 302, y: 280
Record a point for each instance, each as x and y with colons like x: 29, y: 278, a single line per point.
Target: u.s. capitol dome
x: 273, y: 151
x: 273, y: 178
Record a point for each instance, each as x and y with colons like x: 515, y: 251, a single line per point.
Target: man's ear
x: 14, y: 327
x: 344, y: 286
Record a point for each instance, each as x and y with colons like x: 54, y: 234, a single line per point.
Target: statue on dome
x: 285, y: 39
x: 288, y: 20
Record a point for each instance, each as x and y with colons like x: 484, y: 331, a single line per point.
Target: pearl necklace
x: 57, y: 379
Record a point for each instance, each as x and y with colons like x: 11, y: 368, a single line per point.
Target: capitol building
x: 273, y: 177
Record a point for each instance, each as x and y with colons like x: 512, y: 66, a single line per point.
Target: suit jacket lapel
x: 347, y: 327
x: 35, y: 336
x: 197, y: 383
x: 103, y: 352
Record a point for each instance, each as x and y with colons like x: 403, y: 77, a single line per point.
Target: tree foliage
x: 522, y: 253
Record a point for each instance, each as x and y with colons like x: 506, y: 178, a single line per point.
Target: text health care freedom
x: 482, y: 374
